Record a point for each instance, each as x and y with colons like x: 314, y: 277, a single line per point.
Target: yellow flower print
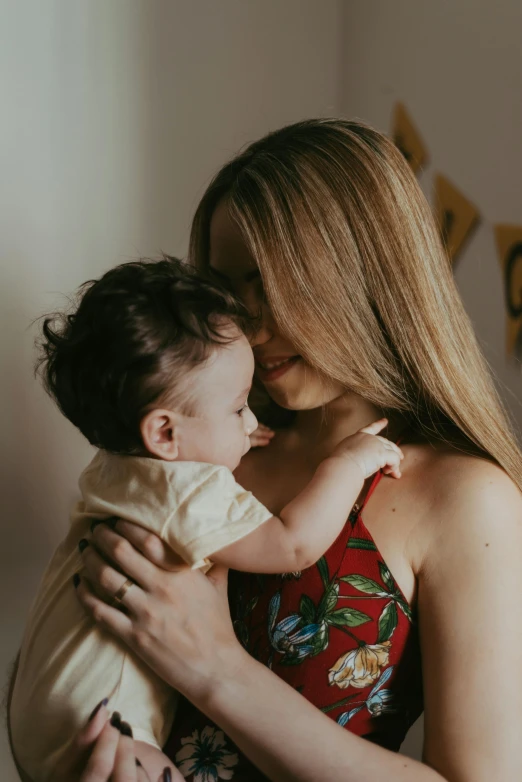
x: 360, y: 667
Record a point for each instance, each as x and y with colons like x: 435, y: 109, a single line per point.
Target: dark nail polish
x: 167, y: 776
x: 95, y: 524
x: 125, y: 729
x: 116, y: 720
x: 76, y: 580
x: 82, y: 545
x: 97, y: 708
x: 138, y: 763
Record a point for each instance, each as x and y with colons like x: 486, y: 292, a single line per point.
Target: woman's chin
x: 292, y: 396
x: 303, y: 389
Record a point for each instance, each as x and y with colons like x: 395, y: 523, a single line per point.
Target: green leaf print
x: 307, y: 609
x: 322, y: 567
x: 320, y: 639
x: 386, y: 576
x: 406, y: 610
x: 328, y: 600
x: 364, y: 584
x: 347, y: 617
x: 387, y: 622
x: 361, y: 543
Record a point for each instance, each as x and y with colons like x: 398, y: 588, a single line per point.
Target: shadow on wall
x: 43, y: 452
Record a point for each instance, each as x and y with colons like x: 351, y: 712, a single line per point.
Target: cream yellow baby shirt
x: 67, y: 664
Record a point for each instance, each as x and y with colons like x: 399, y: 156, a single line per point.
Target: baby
x: 154, y: 367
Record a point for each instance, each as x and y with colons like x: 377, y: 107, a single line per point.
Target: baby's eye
x: 242, y: 409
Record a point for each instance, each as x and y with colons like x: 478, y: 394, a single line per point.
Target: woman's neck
x: 323, y: 428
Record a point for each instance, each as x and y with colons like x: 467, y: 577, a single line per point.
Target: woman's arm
x: 289, y: 739
x: 469, y: 605
x: 179, y: 623
x: 470, y: 588
x: 469, y: 585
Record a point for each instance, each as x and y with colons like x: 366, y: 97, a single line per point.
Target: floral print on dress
x: 378, y: 702
x: 340, y: 632
x: 307, y: 632
x: 290, y: 642
x: 360, y: 667
x: 206, y: 756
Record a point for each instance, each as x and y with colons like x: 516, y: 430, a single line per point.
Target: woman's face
x: 291, y: 382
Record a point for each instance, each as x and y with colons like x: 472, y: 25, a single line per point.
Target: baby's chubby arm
x: 311, y: 522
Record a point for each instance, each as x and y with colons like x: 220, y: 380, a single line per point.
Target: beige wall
x: 115, y: 113
x: 456, y: 65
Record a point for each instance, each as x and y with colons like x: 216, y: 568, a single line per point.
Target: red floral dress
x: 341, y: 633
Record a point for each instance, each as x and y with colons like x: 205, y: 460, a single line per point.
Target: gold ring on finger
x: 122, y: 591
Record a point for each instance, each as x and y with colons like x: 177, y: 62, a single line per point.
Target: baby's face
x: 218, y: 430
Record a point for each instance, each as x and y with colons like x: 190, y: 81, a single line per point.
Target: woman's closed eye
x: 252, y: 280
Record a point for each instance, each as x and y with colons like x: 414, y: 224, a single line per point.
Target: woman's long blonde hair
x: 358, y: 279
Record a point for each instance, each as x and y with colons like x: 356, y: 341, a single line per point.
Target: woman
x: 323, y: 231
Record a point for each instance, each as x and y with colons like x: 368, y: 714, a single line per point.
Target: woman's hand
x: 104, y: 751
x: 176, y: 619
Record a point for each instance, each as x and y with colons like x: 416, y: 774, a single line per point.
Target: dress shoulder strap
x: 375, y: 482
x: 371, y: 488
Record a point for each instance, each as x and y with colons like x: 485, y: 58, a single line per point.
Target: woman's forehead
x: 228, y: 253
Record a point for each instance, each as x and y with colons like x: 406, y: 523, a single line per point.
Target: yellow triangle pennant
x: 509, y: 244
x: 456, y: 215
x: 407, y: 138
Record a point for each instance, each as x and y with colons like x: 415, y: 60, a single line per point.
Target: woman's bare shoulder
x: 452, y: 476
x: 468, y: 545
x: 460, y: 494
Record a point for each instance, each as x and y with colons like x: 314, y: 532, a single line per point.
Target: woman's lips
x: 275, y: 367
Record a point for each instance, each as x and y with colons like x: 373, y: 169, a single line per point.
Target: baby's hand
x: 261, y: 436
x: 371, y: 452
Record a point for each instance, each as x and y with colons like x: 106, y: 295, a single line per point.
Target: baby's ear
x: 159, y: 432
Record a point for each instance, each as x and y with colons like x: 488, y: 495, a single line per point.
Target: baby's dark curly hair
x: 134, y: 335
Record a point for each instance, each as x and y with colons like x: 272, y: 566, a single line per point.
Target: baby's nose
x: 250, y: 421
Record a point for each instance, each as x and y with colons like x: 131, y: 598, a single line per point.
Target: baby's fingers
x: 390, y: 446
x: 261, y: 436
x: 376, y: 427
x: 393, y: 456
x: 394, y: 472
